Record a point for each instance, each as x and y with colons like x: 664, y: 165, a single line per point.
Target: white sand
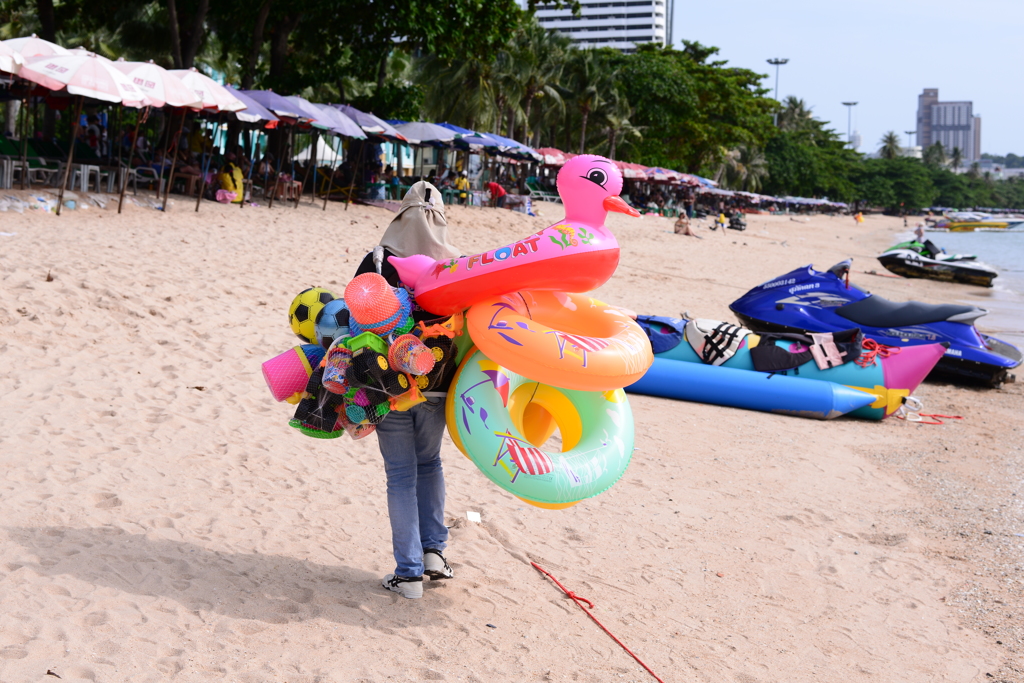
x: 160, y: 520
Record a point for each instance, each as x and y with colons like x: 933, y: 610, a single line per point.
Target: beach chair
x: 37, y: 168
x: 538, y: 193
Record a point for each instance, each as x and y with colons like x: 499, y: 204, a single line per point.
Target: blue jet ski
x: 807, y: 300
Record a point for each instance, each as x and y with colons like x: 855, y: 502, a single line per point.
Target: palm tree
x: 935, y: 155
x: 956, y: 158
x: 538, y: 59
x: 461, y: 92
x: 795, y: 115
x: 891, y: 148
x: 743, y: 168
x: 619, y: 128
x: 591, y: 82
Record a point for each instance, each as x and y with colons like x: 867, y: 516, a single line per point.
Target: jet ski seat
x: 875, y: 311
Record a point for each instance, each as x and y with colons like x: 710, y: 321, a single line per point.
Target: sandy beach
x: 159, y: 519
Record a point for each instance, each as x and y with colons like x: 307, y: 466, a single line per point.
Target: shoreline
x: 162, y: 519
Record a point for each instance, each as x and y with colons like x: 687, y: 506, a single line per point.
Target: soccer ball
x: 304, y: 310
x: 331, y: 322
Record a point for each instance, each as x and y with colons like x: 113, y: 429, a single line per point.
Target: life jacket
x: 664, y: 333
x: 826, y: 349
x: 715, y: 341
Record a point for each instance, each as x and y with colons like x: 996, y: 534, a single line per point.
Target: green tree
x: 956, y: 158
x: 795, y: 115
x: 743, y: 168
x: 934, y: 155
x: 890, y: 146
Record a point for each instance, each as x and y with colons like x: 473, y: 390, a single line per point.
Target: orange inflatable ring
x: 565, y: 340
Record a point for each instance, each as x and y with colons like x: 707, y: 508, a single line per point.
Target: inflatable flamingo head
x: 589, y: 186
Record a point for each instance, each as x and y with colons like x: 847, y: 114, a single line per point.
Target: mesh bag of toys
x: 377, y: 358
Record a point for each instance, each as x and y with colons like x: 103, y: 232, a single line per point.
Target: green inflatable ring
x: 498, y: 419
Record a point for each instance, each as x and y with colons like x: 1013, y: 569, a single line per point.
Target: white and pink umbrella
x: 212, y: 94
x: 34, y: 46
x: 159, y: 85
x: 85, y: 74
x: 10, y: 61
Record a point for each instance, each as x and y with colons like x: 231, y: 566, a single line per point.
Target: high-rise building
x: 951, y: 123
x: 619, y: 24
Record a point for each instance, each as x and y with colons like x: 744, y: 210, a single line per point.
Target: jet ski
x: 924, y: 259
x: 807, y: 300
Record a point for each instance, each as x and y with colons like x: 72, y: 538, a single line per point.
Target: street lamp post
x: 908, y: 134
x: 777, y: 62
x: 849, y: 117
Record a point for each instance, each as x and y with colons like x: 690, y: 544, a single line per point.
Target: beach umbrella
x: 159, y: 85
x: 278, y: 104
x: 212, y: 94
x: 470, y: 138
x: 554, y: 157
x: 312, y: 113
x: 370, y: 123
x: 86, y: 74
x: 34, y: 46
x: 515, y: 149
x: 339, y: 123
x: 426, y: 133
x: 632, y: 171
x: 10, y: 60
x: 254, y: 112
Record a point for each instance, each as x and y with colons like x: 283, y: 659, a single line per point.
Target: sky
x: 879, y: 53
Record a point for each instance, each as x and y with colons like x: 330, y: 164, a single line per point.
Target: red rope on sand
x: 872, y: 349
x: 937, y: 421
x: 579, y: 601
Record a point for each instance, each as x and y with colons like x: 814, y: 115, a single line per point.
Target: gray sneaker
x: 435, y: 566
x: 407, y: 586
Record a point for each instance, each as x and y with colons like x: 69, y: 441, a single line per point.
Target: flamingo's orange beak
x: 617, y: 203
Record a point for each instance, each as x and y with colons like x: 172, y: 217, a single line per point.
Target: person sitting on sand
x: 410, y: 441
x: 682, y: 226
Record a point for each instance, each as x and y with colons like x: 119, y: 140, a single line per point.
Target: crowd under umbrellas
x: 33, y: 68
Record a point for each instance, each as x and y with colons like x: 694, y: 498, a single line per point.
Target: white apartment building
x: 619, y: 24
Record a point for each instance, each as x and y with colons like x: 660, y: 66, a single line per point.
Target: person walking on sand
x: 410, y: 441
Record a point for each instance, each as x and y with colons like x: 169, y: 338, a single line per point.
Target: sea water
x: 1004, y: 251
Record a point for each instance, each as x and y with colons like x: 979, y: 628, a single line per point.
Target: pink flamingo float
x: 577, y: 254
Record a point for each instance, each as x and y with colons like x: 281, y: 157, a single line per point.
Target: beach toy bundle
x: 371, y: 358
x: 547, y: 356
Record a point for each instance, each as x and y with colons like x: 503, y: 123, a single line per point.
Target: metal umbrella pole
x: 71, y: 153
x: 277, y: 174
x: 205, y: 168
x: 131, y: 153
x: 330, y: 187
x: 359, y: 164
x: 24, y: 143
x: 251, y: 165
x: 174, y: 160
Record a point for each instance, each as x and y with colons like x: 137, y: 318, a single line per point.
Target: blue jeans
x: 410, y: 442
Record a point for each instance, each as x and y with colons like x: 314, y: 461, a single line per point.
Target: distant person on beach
x: 462, y: 185
x: 682, y: 226
x: 497, y: 194
x: 410, y: 441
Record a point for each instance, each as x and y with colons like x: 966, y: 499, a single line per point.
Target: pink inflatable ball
x: 287, y: 374
x: 408, y: 354
x: 371, y: 299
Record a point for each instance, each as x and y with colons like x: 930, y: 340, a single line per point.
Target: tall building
x: 620, y: 24
x: 951, y: 123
